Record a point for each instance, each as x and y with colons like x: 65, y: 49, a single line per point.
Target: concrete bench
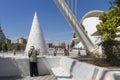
x: 63, y: 72
x: 62, y: 67
x: 70, y: 69
x: 84, y: 71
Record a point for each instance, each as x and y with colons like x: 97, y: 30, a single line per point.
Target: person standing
x: 79, y: 54
x: 55, y: 52
x: 66, y: 52
x: 32, y: 53
x: 14, y: 52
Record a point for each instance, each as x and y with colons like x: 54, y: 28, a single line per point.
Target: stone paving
x: 46, y: 77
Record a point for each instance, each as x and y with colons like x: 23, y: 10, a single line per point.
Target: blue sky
x: 16, y: 17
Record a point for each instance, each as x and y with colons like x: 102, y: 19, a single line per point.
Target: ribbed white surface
x: 36, y: 38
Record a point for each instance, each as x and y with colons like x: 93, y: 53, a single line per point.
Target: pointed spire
x: 36, y: 38
x: 35, y: 14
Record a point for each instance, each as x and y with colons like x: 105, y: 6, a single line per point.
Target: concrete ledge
x: 84, y: 71
x: 108, y: 74
x: 15, y: 66
x: 59, y: 72
x: 11, y: 66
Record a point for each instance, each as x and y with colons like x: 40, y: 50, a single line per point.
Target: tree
x: 117, y: 3
x: 0, y: 46
x: 109, y: 25
x: 4, y: 47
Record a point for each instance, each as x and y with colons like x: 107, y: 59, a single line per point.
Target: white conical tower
x: 36, y: 38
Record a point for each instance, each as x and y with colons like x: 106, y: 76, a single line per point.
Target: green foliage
x: 12, y: 46
x: 18, y: 47
x: 0, y: 46
x: 112, y: 58
x: 4, y: 47
x: 117, y: 3
x: 110, y: 23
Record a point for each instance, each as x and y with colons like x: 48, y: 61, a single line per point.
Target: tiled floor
x: 46, y: 77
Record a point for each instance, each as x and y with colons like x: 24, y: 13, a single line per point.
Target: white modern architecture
x: 76, y: 26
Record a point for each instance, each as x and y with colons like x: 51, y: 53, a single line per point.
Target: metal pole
x: 71, y: 19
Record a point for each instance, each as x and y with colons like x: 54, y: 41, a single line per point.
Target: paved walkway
x: 47, y: 77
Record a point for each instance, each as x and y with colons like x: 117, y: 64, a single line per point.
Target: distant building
x: 60, y: 45
x: 2, y: 36
x: 7, y: 41
x: 21, y: 40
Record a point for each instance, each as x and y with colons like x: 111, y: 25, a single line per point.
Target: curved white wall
x: 10, y: 67
x: 90, y: 26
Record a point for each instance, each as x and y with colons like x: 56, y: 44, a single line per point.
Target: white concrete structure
x: 78, y: 28
x: 90, y: 21
x: 79, y: 45
x: 36, y: 38
x: 62, y: 68
x: 90, y: 27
